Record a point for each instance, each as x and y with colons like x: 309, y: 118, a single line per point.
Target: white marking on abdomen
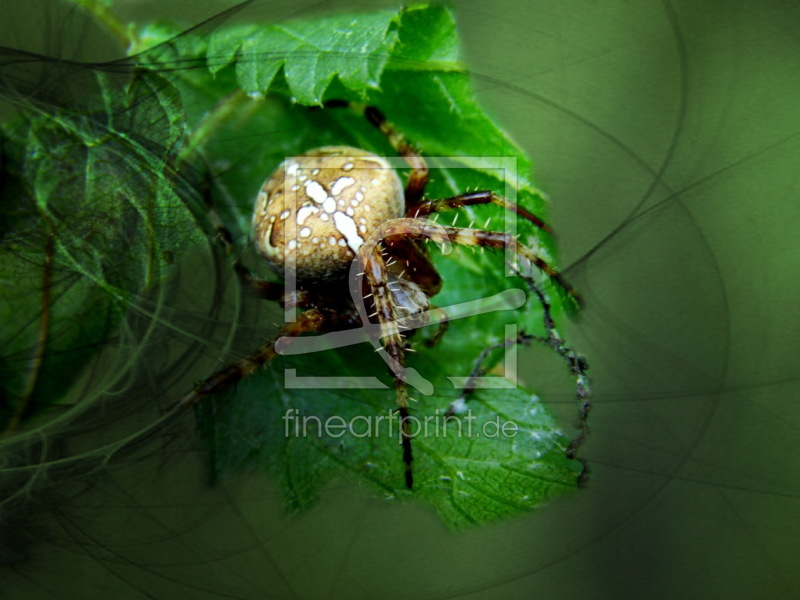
x: 329, y: 205
x: 304, y: 212
x: 340, y: 184
x: 347, y: 227
x: 315, y: 191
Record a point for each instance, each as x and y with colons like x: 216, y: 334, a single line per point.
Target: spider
x: 338, y: 224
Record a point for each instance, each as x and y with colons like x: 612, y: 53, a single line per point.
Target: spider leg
x: 478, y: 370
x: 576, y: 363
x: 427, y: 207
x: 418, y: 178
x: 268, y: 290
x: 260, y: 288
x: 271, y: 290
x: 308, y: 321
x: 414, y: 228
x: 415, y: 264
x: 377, y: 276
x: 578, y: 366
x: 257, y: 287
x: 440, y: 331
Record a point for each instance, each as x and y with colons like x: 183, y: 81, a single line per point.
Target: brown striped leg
x: 427, y: 207
x: 418, y: 178
x: 415, y: 263
x: 377, y: 278
x: 309, y: 321
x: 413, y: 228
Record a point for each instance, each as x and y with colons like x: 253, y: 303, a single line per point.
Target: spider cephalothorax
x: 338, y: 224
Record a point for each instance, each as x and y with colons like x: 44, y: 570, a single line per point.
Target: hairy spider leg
x: 312, y: 320
x: 485, y: 197
x: 576, y: 363
x: 415, y: 228
x: 377, y: 277
x: 427, y: 207
x: 410, y: 260
x: 416, y: 207
x: 418, y: 177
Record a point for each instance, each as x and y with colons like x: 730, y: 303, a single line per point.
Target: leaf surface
x: 116, y: 183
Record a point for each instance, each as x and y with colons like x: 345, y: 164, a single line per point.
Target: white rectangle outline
x: 508, y: 167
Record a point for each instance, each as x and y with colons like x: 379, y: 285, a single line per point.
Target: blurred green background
x: 668, y: 136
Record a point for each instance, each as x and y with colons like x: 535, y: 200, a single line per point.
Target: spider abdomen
x: 316, y: 210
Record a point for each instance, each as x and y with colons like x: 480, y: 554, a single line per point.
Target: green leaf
x: 236, y: 100
x: 311, y: 53
x: 467, y: 469
x: 426, y: 40
x: 428, y: 97
x: 94, y: 218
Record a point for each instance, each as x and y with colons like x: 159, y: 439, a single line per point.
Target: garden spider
x: 338, y: 224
